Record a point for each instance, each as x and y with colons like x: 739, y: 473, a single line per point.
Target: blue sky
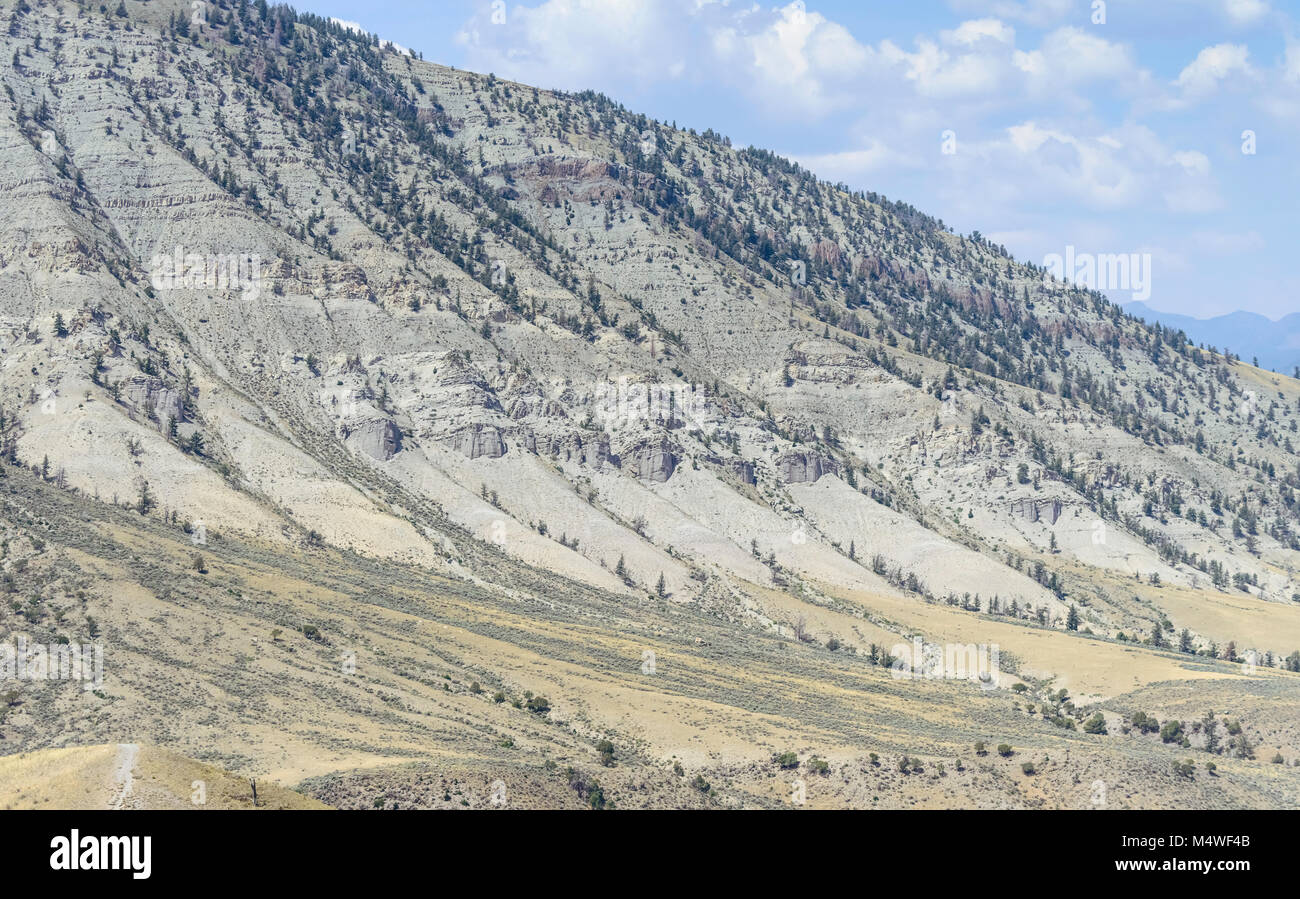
x: 1110, y: 130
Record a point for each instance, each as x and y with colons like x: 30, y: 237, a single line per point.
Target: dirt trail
x: 123, y: 776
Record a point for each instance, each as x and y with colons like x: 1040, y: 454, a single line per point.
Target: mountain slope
x: 276, y: 288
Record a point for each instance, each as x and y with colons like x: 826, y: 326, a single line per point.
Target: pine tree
x: 60, y: 329
x: 1211, y: 728
x: 146, y: 500
x: 1072, y: 620
x: 661, y: 588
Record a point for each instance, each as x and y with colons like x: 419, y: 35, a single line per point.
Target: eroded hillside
x: 474, y: 383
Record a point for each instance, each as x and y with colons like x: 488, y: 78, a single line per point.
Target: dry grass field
x: 366, y: 683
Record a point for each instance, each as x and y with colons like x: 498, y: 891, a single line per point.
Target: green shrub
x: 787, y: 760
x: 1144, y: 723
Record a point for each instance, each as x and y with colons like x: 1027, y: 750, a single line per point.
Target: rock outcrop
x: 151, y: 397
x: 743, y: 469
x: 653, y: 460
x: 1034, y: 510
x: 478, y: 440
x: 378, y: 438
x: 805, y: 468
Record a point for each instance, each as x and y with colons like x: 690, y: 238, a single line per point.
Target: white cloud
x: 584, y: 43
x: 1193, y: 162
x: 853, y: 166
x: 1038, y: 13
x: 976, y: 30
x: 798, y: 58
x: 1291, y: 66
x: 1246, y: 12
x: 1214, y: 65
x: 1128, y: 167
x: 938, y: 71
x: 1076, y: 55
x: 1191, y: 189
x: 358, y: 28
x: 1279, y: 95
x: 1087, y: 170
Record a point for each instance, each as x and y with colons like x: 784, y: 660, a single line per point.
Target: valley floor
x: 367, y: 684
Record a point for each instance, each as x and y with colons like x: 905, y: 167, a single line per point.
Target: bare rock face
x: 688, y: 359
x: 744, y: 470
x: 1052, y: 509
x: 522, y: 408
x: 1037, y: 509
x: 590, y: 450
x: 478, y: 440
x: 805, y: 468
x: 150, y: 395
x: 654, y: 460
x: 378, y: 438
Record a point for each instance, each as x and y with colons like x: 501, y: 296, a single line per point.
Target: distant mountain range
x: 1247, y: 334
